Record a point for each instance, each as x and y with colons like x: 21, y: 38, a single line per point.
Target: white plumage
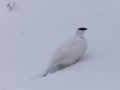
x: 68, y: 53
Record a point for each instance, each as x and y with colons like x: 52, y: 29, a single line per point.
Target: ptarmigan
x: 68, y: 53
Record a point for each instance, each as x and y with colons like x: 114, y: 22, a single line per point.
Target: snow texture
x: 35, y: 28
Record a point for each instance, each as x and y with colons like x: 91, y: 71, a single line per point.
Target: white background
x: 31, y: 32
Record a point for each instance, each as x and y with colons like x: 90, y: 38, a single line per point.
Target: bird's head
x: 80, y: 31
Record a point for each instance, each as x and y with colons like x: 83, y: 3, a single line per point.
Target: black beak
x: 82, y: 28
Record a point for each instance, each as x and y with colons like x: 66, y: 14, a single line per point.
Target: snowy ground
x: 32, y: 31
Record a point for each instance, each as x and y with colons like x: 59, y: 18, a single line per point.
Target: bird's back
x: 70, y: 51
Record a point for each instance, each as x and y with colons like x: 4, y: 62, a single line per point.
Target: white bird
x: 68, y: 53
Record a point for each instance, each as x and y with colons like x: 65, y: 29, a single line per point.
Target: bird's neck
x: 79, y: 34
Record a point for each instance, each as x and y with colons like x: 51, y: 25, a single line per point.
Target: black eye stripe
x: 82, y: 28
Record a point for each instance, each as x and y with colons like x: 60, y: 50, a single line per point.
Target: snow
x: 35, y: 28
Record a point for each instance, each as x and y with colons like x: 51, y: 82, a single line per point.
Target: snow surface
x: 31, y: 32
